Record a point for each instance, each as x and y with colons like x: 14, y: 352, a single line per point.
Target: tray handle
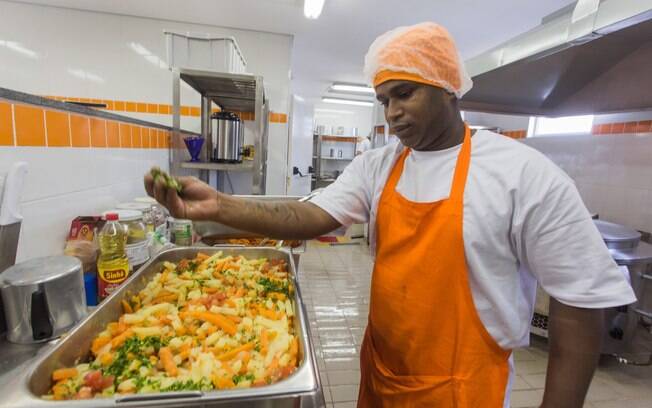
x: 163, y: 396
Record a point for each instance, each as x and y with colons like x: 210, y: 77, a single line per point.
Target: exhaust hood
x: 592, y: 57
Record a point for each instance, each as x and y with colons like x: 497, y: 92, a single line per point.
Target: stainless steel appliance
x: 561, y: 67
x: 10, y: 221
x: 301, y: 390
x: 43, y: 298
x: 628, y: 334
x: 227, y: 137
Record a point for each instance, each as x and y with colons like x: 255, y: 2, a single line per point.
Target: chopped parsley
x: 189, y: 385
x: 270, y: 285
x: 243, y: 377
x: 133, y: 349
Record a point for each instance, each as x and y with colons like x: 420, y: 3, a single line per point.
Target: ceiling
x: 332, y: 48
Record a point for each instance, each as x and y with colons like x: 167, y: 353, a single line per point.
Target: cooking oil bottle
x: 112, y: 264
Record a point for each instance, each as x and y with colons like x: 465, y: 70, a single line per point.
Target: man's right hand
x: 198, y: 200
x: 275, y: 219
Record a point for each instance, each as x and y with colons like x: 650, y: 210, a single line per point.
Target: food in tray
x: 263, y: 242
x: 212, y: 322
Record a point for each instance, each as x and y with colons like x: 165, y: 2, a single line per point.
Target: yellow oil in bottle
x: 112, y: 264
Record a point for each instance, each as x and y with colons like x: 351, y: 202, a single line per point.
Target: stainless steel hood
x: 592, y: 57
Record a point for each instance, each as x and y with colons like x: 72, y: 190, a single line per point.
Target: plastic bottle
x: 112, y: 264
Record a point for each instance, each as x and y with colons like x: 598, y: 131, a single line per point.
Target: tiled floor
x: 335, y: 286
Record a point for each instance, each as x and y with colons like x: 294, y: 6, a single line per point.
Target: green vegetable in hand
x: 169, y: 181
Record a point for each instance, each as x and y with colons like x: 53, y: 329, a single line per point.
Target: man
x: 463, y: 227
x: 363, y: 145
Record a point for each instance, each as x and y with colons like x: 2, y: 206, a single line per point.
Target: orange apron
x: 425, y: 345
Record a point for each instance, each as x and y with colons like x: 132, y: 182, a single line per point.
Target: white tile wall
x: 613, y: 173
x: 69, y: 182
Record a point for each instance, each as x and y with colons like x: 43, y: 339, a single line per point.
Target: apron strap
x: 462, y: 167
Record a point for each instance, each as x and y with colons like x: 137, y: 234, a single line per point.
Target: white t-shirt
x: 524, y: 222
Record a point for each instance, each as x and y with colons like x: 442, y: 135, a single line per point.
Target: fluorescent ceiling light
x: 347, y: 101
x: 312, y: 8
x: 353, y: 88
x: 343, y: 112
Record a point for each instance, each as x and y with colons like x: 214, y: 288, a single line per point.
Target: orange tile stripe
x: 27, y: 125
x: 161, y: 109
x: 618, y: 128
x: 515, y: 134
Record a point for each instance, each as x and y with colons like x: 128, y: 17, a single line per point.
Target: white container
x: 204, y: 52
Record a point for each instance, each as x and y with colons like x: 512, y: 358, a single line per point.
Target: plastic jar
x: 146, y: 209
x: 137, y: 241
x: 159, y: 214
x: 181, y: 232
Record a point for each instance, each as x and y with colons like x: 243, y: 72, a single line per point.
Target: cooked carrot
x: 235, y: 319
x: 60, y: 392
x: 126, y: 307
x: 264, y: 342
x: 209, y: 290
x: 165, y: 299
x: 222, y: 383
x: 201, y: 257
x: 214, y: 318
x: 64, y: 373
x: 181, y: 331
x: 229, y: 355
x: 270, y: 314
x: 99, y: 342
x: 276, y: 295
x: 118, y: 340
x: 230, y: 303
x: 246, y: 356
x: 165, y: 354
x: 240, y: 292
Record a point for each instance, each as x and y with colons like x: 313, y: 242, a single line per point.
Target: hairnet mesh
x: 426, y: 50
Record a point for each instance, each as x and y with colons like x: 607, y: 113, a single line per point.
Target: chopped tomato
x: 96, y: 381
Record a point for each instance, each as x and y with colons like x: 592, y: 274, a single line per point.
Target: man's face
x: 416, y: 113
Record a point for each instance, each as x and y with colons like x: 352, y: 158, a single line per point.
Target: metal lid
x: 617, y: 236
x: 40, y: 270
x: 144, y: 207
x: 640, y: 255
x: 125, y: 215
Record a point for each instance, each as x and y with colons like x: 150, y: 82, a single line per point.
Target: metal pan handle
x: 163, y: 396
x: 643, y: 313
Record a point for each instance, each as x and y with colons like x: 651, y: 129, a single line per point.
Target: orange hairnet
x: 423, y: 53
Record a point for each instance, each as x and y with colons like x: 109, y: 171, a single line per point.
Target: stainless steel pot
x: 227, y: 137
x: 43, y: 298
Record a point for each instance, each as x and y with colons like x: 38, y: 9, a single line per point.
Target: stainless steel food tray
x: 301, y: 389
x: 209, y: 228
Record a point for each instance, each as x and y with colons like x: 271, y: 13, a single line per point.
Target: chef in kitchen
x: 464, y: 225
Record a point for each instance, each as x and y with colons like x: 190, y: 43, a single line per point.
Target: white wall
x: 58, y: 189
x: 100, y: 44
x: 66, y: 52
x: 71, y: 53
x: 331, y: 114
x: 301, y: 131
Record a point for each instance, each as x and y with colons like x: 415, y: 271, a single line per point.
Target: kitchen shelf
x: 245, y: 166
x: 231, y: 92
x: 347, y: 139
x: 337, y: 158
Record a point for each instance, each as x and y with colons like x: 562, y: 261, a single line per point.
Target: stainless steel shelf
x: 337, y: 158
x: 245, y: 166
x: 232, y: 92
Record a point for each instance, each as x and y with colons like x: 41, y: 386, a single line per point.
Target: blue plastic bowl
x: 194, y: 145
